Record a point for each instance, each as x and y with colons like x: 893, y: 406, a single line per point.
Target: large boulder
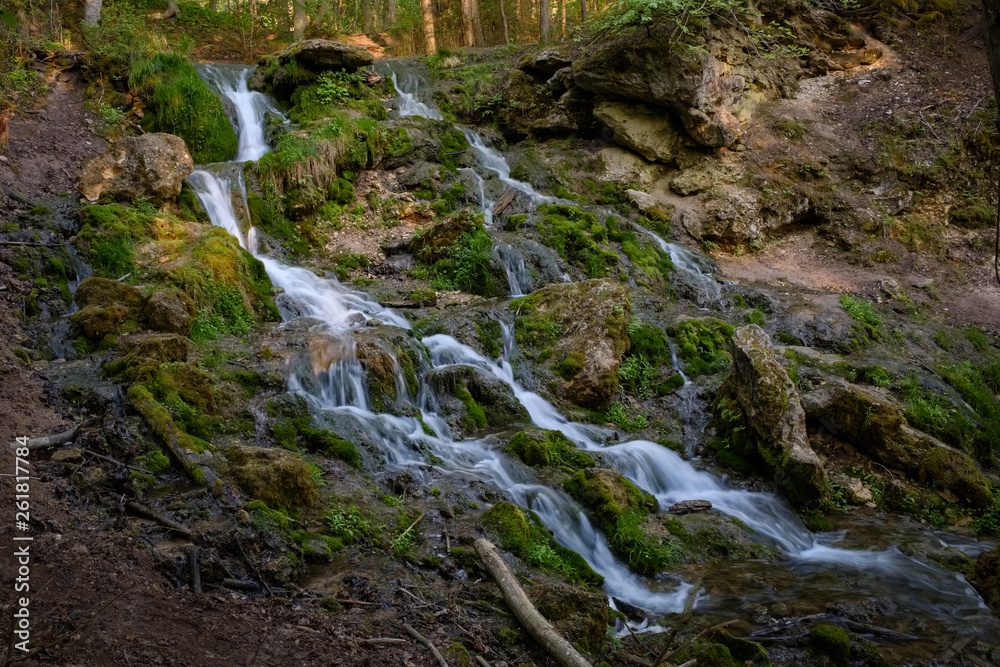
x: 546, y: 63
x: 434, y: 243
x: 170, y: 311
x: 106, y: 306
x: 770, y: 407
x: 152, y: 165
x: 581, y: 330
x: 573, y: 114
x: 643, y: 129
x: 574, y: 612
x: 318, y: 55
x: 873, y: 422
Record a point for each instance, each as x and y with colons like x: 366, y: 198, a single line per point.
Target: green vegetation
x: 467, y: 266
x: 293, y: 429
x: 108, y: 236
x: 863, y: 312
x: 617, y: 415
x: 575, y: 234
x: 523, y: 534
x: 831, y: 642
x: 702, y: 345
x: 179, y: 102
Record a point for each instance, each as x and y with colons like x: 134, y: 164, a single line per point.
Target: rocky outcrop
x: 574, y: 612
x: 582, y: 330
x: 770, y: 407
x: 153, y: 166
x: 573, y: 114
x: 170, y: 311
x: 874, y: 423
x: 433, y: 243
x: 546, y: 63
x: 986, y: 579
x: 640, y: 128
x: 318, y: 55
x: 106, y: 306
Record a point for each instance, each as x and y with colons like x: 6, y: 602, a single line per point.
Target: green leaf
x: 8, y: 17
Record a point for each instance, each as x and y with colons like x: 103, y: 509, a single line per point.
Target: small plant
x: 863, y: 311
x: 616, y: 414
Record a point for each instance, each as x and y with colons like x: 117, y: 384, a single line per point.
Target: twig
x: 143, y: 511
x: 51, y: 440
x: 681, y: 622
x: 42, y: 245
x: 367, y: 604
x: 426, y: 642
x: 383, y: 640
x: 703, y: 633
x: 410, y: 594
x: 410, y: 527
x: 115, y: 461
x: 447, y: 540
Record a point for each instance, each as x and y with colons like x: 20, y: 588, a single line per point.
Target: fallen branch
x: 482, y: 661
x: 244, y: 585
x: 524, y: 611
x: 383, y: 640
x: 145, y: 512
x: 195, y: 570
x: 51, y: 440
x: 410, y: 527
x: 426, y: 642
x: 108, y: 459
x: 681, y: 622
x: 402, y: 304
x: 42, y: 245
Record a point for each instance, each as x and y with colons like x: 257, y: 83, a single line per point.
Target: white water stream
x: 653, y: 467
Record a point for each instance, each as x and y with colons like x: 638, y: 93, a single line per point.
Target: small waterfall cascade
x: 518, y: 276
x: 707, y: 289
x: 404, y: 442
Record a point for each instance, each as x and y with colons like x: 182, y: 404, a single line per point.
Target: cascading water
x: 670, y: 478
x: 706, y: 289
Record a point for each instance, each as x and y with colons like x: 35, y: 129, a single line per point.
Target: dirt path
x: 48, y: 145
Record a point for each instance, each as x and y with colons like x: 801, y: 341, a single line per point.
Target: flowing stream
x: 404, y: 443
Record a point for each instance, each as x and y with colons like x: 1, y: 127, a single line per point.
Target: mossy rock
x: 547, y: 448
x: 170, y: 311
x: 147, y: 356
x: 433, y: 243
x: 107, y: 307
x: 712, y: 537
x: 586, y: 322
x: 509, y: 524
x: 702, y: 344
x: 831, y: 644
x: 275, y: 476
x: 743, y: 651
x: 471, y: 399
x: 580, y: 615
x: 986, y: 578
x: 608, y: 495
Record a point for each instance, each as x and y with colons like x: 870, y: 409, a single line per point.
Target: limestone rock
x: 170, y: 311
x: 318, y: 55
x: 618, y: 164
x: 106, y: 306
x: 547, y: 63
x: 874, y: 423
x: 608, y: 495
x: 643, y: 129
x: 276, y: 476
x: 573, y: 114
x: 583, y: 328
x: 561, y: 81
x: 986, y: 579
x: 650, y: 205
x: 770, y: 405
x: 433, y: 244
x: 690, y: 507
x: 151, y: 165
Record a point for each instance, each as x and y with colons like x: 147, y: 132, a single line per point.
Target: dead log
x: 53, y: 440
x: 146, y: 513
x: 524, y: 611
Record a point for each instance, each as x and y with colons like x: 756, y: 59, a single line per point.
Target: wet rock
x: 509, y: 524
x: 711, y: 536
x: 631, y: 612
x: 561, y: 81
x: 690, y: 507
x: 319, y: 55
x: 547, y: 63
x: 538, y: 447
x: 392, y: 360
x: 608, y: 495
x: 574, y: 612
x: 650, y: 205
x: 511, y: 202
x: 470, y: 399
x: 106, y: 306
x: 152, y: 165
x: 582, y: 328
x: 170, y: 311
x: 769, y: 402
x: 873, y: 422
x: 527, y: 101
x: 640, y: 128
x: 276, y: 476
x: 149, y: 354
x: 986, y: 579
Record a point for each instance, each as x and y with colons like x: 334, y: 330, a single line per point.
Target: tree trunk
x: 427, y: 17
x: 91, y: 12
x: 503, y: 19
x: 562, y: 10
x: 583, y: 11
x: 544, y: 11
x: 468, y: 30
x: 477, y: 21
x: 366, y: 15
x: 299, y: 20
x: 213, y: 5
x: 991, y: 34
x: 390, y: 13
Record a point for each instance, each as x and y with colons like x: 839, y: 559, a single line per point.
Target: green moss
x: 547, y: 448
x: 269, y: 220
x: 743, y: 651
x: 509, y: 524
x: 863, y: 312
x: 702, y: 345
x: 155, y: 462
x: 474, y: 412
x: 178, y: 101
x: 832, y: 642
x: 575, y: 234
x: 467, y: 266
x: 491, y: 336
x: 108, y: 236
x: 570, y: 366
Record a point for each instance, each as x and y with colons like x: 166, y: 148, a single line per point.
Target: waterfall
x: 518, y: 276
x: 402, y: 440
x: 706, y: 289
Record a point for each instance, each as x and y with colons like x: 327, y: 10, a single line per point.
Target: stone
x: 106, y: 306
x: 650, y: 205
x: 471, y: 399
x: 986, y: 579
x: 891, y: 289
x: 873, y: 422
x: 573, y: 114
x: 585, y: 323
x: 574, y: 612
x: 547, y: 63
x: 608, y: 495
x: 434, y: 243
x: 640, y: 128
x: 170, y: 311
x: 691, y: 182
x: 624, y: 166
x: 561, y: 81
x: 690, y: 507
x: 276, y: 476
x: 770, y: 406
x: 152, y: 166
x: 318, y: 55
x: 632, y: 612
